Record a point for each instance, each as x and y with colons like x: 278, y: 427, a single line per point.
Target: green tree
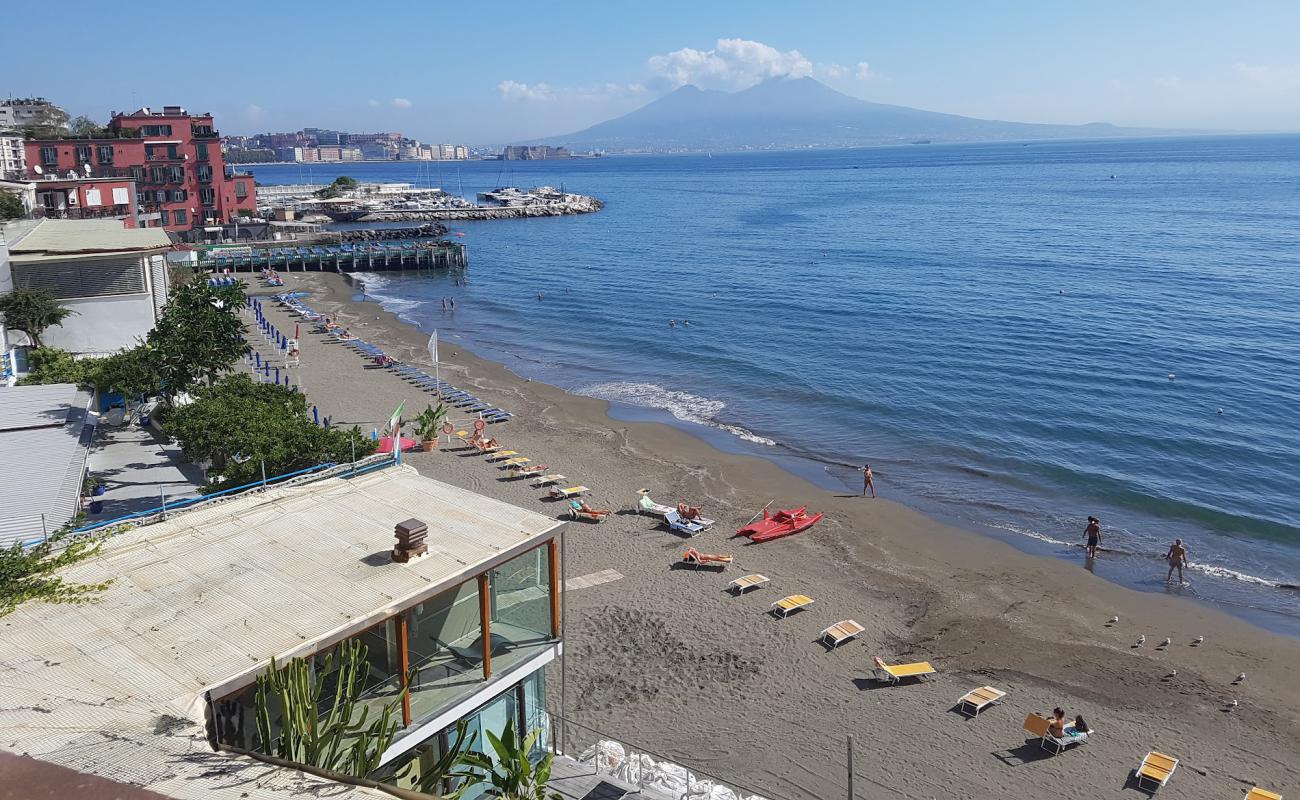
x: 340, y: 185
x: 28, y: 573
x: 199, y: 335
x: 240, y: 425
x: 131, y: 373
x: 52, y: 365
x: 85, y: 126
x: 11, y: 207
x: 32, y: 311
x: 513, y: 774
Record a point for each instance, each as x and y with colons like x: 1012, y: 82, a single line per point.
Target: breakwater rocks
x: 429, y: 231
x: 572, y: 204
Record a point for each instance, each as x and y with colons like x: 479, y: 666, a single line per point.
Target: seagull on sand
x: 1231, y: 704
x: 1142, y: 639
x: 1113, y: 620
x: 1166, y: 642
x: 1198, y: 641
x: 1173, y: 673
x: 1241, y: 676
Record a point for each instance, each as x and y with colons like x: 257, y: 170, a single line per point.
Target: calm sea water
x: 1014, y: 335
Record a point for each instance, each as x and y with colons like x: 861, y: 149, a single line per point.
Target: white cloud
x: 864, y: 72
x: 400, y: 102
x: 542, y: 92
x: 373, y: 103
x: 1276, y: 79
x: 832, y: 72
x: 514, y: 90
x: 732, y: 63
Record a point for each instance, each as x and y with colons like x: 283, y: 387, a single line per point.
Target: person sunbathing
x: 1056, y: 723
x: 688, y: 511
x: 595, y: 512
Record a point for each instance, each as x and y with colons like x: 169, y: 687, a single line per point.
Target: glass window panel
x: 521, y: 607
x: 443, y: 636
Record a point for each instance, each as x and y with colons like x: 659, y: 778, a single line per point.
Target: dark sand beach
x: 667, y: 658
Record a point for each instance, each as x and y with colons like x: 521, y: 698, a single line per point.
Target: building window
x: 50, y: 156
x: 181, y: 218
x: 241, y: 190
x: 156, y: 130
x: 83, y: 154
x: 205, y: 172
x: 202, y: 149
x: 106, y: 154
x: 158, y: 174
x: 179, y: 195
x: 137, y: 174
x: 171, y: 151
x: 207, y: 195
x: 164, y: 217
x: 176, y: 174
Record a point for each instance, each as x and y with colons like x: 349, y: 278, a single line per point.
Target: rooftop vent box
x: 410, y: 540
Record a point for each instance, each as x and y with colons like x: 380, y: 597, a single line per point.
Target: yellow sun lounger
x: 1257, y: 793
x: 893, y: 673
x: 502, y: 454
x: 791, y: 603
x: 543, y: 480
x: 1157, y: 768
x: 741, y: 585
x: 515, y: 462
x: 571, y: 491
x: 979, y: 699
x: 841, y: 632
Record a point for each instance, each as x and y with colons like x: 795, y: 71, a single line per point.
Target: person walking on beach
x: 868, y: 481
x: 1177, y: 558
x: 1093, y: 534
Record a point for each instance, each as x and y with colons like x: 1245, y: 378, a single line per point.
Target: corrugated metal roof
x: 44, y: 441
x: 64, y: 238
x: 215, y: 593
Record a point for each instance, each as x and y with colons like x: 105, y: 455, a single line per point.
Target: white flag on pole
x: 433, y: 347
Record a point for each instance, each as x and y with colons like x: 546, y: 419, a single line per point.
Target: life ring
x: 479, y: 425
x: 448, y: 428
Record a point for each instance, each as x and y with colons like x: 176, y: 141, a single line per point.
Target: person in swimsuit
x: 686, y: 511
x: 1056, y: 723
x: 868, y: 481
x: 1093, y: 534
x: 1177, y: 558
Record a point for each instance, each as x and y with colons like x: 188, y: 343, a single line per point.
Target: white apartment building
x: 13, y: 157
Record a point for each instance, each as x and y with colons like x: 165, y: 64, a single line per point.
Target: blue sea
x: 1014, y: 335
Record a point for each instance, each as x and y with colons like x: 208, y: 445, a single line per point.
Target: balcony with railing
x: 82, y: 212
x: 200, y: 132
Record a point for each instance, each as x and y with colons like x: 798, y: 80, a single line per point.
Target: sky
x: 475, y: 74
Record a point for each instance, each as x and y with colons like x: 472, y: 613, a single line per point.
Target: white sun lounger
x: 741, y: 585
x: 1156, y: 768
x: 841, y: 632
x: 647, y: 506
x: 790, y: 604
x: 517, y: 461
x: 545, y: 480
x: 567, y: 492
x: 979, y: 699
x: 680, y: 525
x: 501, y: 455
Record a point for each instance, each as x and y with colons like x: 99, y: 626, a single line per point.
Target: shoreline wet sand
x: 667, y: 658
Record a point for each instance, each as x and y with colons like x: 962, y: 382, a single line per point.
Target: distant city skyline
x: 442, y: 73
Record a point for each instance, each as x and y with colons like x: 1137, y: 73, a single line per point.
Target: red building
x: 175, y: 159
x: 87, y: 198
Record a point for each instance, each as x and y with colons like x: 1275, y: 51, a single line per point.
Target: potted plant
x: 94, y: 488
x: 426, y: 426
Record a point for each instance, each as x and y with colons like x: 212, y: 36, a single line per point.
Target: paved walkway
x: 139, y: 469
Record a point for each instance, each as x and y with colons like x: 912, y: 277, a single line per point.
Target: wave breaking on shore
x: 684, y: 406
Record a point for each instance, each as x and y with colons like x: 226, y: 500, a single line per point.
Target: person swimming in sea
x: 672, y: 323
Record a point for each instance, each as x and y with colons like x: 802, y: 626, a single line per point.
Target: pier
x: 368, y: 256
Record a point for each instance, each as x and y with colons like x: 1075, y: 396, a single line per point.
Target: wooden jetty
x: 362, y: 257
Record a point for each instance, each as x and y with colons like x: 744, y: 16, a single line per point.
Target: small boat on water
x: 785, y: 522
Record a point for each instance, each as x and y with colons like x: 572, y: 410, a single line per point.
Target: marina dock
x: 368, y: 256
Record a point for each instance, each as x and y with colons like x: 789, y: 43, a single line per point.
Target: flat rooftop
x: 61, y: 239
x: 45, y: 437
x: 203, y: 600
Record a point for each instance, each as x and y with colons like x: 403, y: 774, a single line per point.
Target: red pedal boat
x: 786, y: 522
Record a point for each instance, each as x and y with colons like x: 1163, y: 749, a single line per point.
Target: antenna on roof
x: 37, y: 169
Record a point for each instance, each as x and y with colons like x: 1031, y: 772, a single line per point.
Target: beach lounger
x: 1257, y: 793
x: 566, y: 493
x: 543, y: 480
x: 1157, y: 768
x: 576, y: 512
x: 644, y: 505
x: 887, y: 673
x: 791, y: 603
x: 676, y: 523
x: 518, y: 461
x: 500, y: 455
x: 694, y: 558
x: 742, y: 585
x: 979, y: 699
x: 529, y: 470
x: 841, y: 632
x: 1038, y: 725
